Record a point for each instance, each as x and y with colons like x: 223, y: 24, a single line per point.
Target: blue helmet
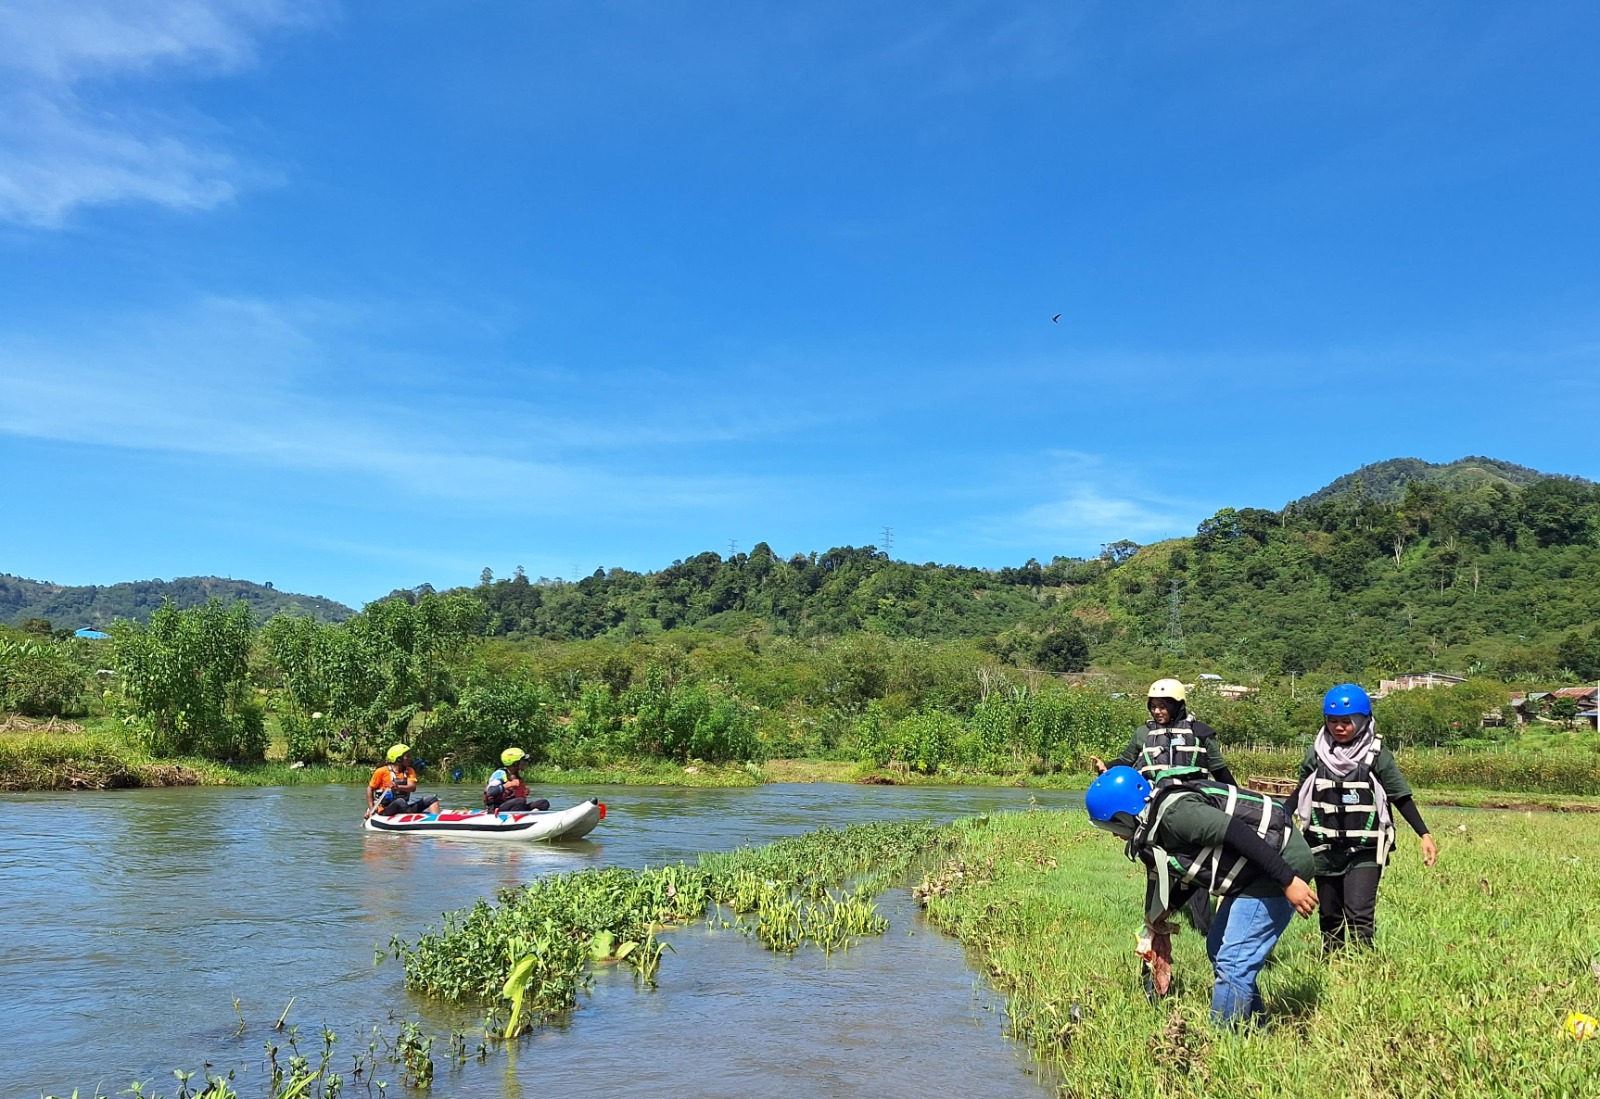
x: 1117, y: 790
x: 1346, y: 699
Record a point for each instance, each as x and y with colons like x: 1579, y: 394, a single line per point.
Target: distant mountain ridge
x: 73, y: 607
x: 1385, y: 482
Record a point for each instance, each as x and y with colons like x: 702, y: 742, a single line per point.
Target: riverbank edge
x: 100, y: 766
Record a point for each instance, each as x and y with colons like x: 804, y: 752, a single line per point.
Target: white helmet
x: 1168, y: 688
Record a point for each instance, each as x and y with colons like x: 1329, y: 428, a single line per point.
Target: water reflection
x: 134, y: 919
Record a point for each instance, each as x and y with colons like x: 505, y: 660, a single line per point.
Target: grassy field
x: 1478, y: 963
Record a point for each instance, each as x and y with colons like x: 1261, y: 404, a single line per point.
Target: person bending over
x: 1196, y: 834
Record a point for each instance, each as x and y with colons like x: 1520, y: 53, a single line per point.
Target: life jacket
x: 1344, y: 811
x: 495, y: 792
x: 1213, y: 868
x: 386, y: 792
x: 502, y: 787
x: 1171, y: 748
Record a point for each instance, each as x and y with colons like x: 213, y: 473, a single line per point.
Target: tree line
x: 207, y: 682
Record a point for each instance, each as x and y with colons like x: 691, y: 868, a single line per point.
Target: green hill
x: 71, y: 608
x: 1385, y: 482
x: 1476, y: 566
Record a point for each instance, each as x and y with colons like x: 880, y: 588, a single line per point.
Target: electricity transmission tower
x: 733, y: 547
x: 888, y: 541
x: 1175, y: 617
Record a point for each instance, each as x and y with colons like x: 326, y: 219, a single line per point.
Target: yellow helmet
x: 1168, y: 688
x: 512, y: 755
x: 397, y: 751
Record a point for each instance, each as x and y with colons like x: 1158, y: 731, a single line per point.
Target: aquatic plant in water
x: 547, y: 934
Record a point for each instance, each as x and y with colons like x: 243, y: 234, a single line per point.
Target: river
x: 133, y: 920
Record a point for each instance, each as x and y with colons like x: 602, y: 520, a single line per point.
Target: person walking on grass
x: 1191, y: 834
x: 1350, y: 788
x: 1171, y: 740
x: 393, y: 787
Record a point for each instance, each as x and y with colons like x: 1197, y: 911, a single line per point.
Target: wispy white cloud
x: 268, y: 384
x: 69, y: 69
x: 1080, y: 503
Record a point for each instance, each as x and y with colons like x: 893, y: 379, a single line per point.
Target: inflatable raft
x: 552, y: 824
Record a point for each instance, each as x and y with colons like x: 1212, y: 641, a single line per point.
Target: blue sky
x: 355, y: 296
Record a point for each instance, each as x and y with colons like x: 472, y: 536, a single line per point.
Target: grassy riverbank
x: 1479, y: 961
x: 99, y: 755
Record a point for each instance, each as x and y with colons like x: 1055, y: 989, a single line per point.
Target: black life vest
x: 1213, y: 869
x: 1344, y: 811
x: 1171, y: 748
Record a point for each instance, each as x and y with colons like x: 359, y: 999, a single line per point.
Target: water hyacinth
x: 547, y: 934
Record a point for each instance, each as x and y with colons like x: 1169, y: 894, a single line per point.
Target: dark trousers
x: 1347, y: 904
x: 398, y: 805
x: 522, y: 805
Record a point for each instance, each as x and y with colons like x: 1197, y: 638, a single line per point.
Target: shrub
x: 39, y: 679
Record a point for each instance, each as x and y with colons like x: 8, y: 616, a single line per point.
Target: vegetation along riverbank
x: 1479, y: 960
x: 706, y: 670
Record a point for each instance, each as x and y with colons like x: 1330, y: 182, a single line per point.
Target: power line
x: 888, y: 541
x: 1174, y: 617
x: 733, y: 548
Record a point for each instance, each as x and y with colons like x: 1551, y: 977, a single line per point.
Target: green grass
x: 1540, y: 771
x: 1479, y: 961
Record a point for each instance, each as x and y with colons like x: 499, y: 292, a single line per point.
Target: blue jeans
x: 1242, y: 936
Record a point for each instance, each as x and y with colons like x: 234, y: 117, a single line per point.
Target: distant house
x: 92, y: 634
x: 1536, y: 704
x: 1412, y: 680
x: 1233, y: 691
x: 1210, y: 677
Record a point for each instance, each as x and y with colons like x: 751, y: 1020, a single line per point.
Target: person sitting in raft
x: 1171, y: 739
x: 393, y: 789
x: 1350, y: 788
x: 1192, y: 833
x: 506, y: 792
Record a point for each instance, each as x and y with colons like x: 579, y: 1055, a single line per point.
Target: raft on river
x: 552, y: 824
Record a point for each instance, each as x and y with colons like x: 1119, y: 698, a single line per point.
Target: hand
x: 1164, y: 924
x: 1302, y: 896
x: 1098, y: 764
x: 1430, y: 850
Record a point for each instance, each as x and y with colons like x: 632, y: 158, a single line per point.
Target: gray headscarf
x: 1341, y: 761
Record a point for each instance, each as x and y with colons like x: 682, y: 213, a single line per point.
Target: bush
x: 185, y: 679
x: 491, y: 715
x: 39, y: 679
x: 924, y: 741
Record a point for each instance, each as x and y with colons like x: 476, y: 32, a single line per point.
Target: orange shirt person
x: 393, y: 788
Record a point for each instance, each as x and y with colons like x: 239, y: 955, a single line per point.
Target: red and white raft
x: 552, y: 824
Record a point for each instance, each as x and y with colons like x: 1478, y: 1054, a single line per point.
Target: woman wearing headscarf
x: 1350, y: 788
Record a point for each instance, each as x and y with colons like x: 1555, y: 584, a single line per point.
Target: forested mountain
x: 71, y: 608
x: 1385, y: 482
x: 1475, y: 566
x: 1471, y: 568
